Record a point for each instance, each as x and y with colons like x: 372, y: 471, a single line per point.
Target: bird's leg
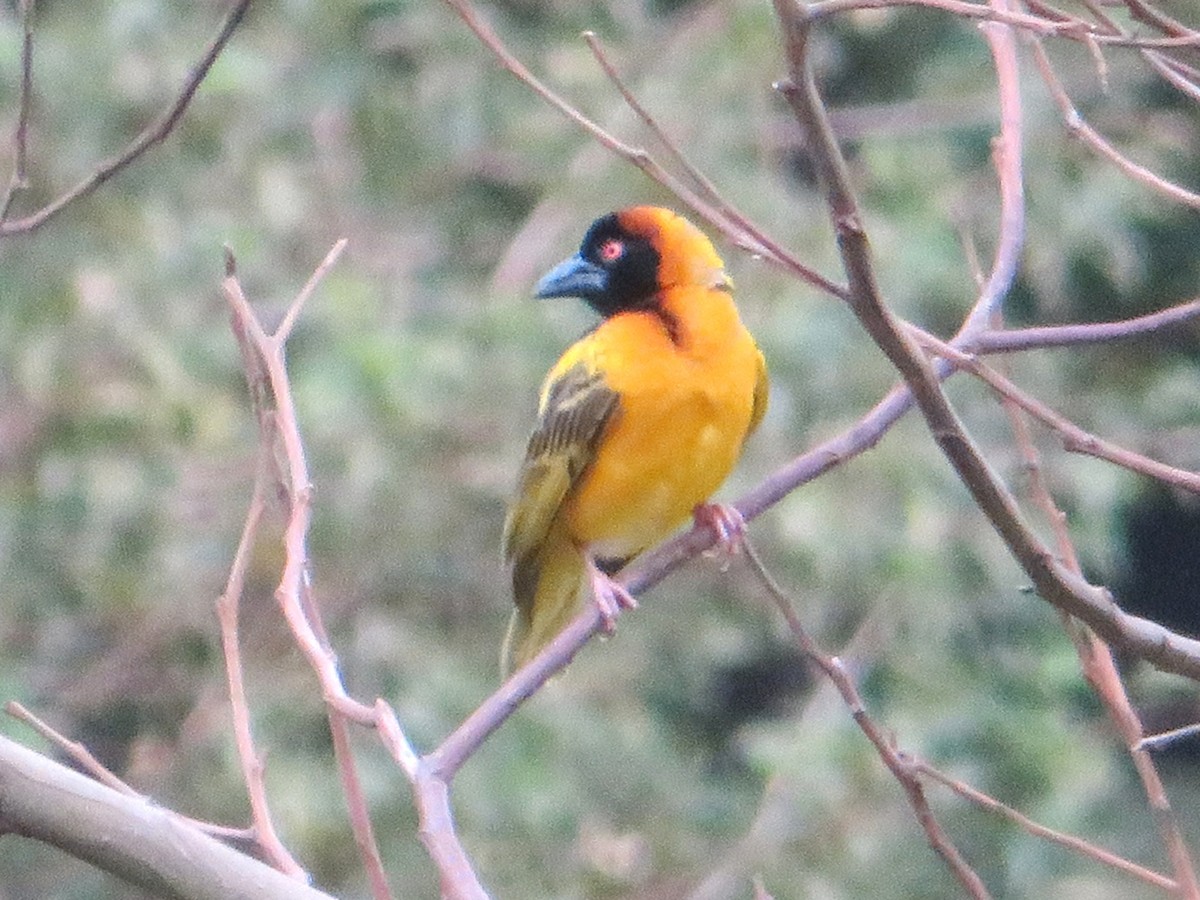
x: 610, y: 598
x: 725, y: 522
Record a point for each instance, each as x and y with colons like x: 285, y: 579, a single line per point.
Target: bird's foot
x: 726, y: 523
x: 610, y: 598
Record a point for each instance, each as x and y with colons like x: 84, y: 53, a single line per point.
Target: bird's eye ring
x: 611, y: 249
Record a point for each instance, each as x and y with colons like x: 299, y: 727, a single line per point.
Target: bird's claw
x: 726, y: 523
x: 610, y: 598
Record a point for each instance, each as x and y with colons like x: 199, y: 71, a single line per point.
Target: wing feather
x: 762, y: 389
x: 576, y: 406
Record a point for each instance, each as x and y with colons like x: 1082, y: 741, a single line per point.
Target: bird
x: 638, y: 422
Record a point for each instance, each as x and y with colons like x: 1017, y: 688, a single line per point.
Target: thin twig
x: 227, y: 615
x: 823, y: 9
x: 19, y: 179
x: 1169, y: 70
x: 1074, y: 438
x: 1156, y: 18
x: 356, y: 806
x: 896, y: 761
x: 1044, y: 24
x: 1081, y: 129
x: 87, y: 761
x: 1020, y: 339
x: 737, y: 219
x: 637, y: 156
x: 75, y: 750
x: 1082, y: 847
x: 1006, y: 157
x: 155, y: 133
x: 1165, y: 739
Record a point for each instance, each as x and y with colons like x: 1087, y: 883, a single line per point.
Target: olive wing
x: 762, y: 389
x: 575, y: 408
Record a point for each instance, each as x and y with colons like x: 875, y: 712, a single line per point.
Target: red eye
x: 611, y: 249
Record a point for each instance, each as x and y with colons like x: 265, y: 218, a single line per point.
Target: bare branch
x: 896, y: 761
x: 1156, y: 18
x: 1007, y: 156
x: 304, y: 619
x: 270, y: 350
x: 356, y: 806
x: 1100, y: 670
x: 48, y: 802
x: 155, y: 133
x: 1047, y: 22
x: 637, y: 156
x: 1175, y: 73
x: 1055, y: 583
x: 314, y: 280
x: 1074, y: 438
x: 1071, y: 842
x: 265, y: 363
x: 1081, y: 129
x: 961, y: 8
x: 227, y: 615
x: 19, y: 179
x: 1013, y: 340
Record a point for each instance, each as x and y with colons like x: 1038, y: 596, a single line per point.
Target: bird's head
x: 628, y: 258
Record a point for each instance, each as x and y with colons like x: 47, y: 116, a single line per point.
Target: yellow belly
x: 627, y: 504
x: 675, y: 439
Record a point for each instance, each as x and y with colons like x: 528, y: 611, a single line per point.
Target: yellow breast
x: 687, y: 396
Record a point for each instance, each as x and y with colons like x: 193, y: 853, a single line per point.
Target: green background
x: 693, y: 750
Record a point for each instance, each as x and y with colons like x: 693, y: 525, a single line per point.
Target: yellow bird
x: 638, y: 423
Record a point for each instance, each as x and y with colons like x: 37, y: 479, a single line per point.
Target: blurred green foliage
x: 692, y: 751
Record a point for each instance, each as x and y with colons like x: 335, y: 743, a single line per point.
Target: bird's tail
x: 547, y: 586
